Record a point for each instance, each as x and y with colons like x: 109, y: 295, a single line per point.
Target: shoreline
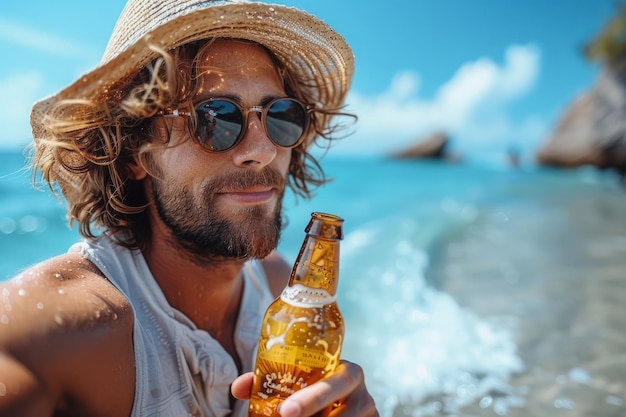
x: 556, y: 269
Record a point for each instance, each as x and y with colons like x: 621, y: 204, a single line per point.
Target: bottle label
x: 293, y: 355
x: 300, y: 295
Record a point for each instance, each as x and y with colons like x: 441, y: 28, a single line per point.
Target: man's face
x: 226, y: 204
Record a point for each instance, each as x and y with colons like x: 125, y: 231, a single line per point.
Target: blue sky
x: 491, y: 73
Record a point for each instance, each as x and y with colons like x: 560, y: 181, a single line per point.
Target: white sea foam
x: 414, y: 341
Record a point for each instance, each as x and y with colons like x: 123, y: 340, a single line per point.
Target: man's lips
x: 251, y: 195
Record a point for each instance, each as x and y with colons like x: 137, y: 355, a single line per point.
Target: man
x: 173, y: 156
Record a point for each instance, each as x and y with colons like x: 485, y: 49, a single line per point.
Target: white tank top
x: 181, y: 370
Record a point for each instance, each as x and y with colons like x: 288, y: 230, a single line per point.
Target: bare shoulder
x: 60, y: 295
x: 65, y: 334
x: 277, y: 271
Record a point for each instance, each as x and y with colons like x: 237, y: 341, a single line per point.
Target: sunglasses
x: 221, y: 123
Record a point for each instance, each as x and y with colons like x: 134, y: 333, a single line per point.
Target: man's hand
x: 343, y: 392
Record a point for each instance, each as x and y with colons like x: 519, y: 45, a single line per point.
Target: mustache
x: 267, y: 177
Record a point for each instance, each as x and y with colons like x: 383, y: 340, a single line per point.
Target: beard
x: 208, y: 236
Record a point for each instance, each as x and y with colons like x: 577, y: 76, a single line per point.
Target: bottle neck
x: 317, y: 265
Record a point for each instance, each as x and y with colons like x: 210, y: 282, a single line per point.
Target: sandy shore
x: 552, y: 264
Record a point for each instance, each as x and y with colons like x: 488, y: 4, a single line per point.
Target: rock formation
x: 592, y: 130
x: 433, y: 146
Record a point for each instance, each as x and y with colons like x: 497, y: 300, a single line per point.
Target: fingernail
x: 289, y: 409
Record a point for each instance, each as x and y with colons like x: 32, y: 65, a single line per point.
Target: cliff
x: 592, y: 131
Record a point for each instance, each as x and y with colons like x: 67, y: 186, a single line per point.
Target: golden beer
x: 303, y: 329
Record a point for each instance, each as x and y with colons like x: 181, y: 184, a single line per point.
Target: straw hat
x: 306, y: 45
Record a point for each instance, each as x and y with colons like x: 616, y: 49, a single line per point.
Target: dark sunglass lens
x: 219, y: 124
x: 285, y: 122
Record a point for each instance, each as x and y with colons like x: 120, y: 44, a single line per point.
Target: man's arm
x: 65, y: 342
x: 22, y: 391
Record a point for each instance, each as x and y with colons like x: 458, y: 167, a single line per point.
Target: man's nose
x: 255, y: 148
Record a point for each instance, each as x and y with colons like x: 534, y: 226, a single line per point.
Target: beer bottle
x: 303, y: 329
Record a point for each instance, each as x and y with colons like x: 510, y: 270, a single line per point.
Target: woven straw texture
x: 305, y: 44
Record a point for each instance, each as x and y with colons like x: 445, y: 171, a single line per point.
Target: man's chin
x: 255, y: 231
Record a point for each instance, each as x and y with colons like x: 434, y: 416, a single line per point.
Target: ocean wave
x: 419, y: 347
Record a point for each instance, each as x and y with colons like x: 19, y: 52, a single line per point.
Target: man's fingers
x: 341, y: 393
x: 241, y: 386
x: 316, y: 397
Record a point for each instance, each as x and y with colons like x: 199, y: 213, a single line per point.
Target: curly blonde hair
x: 93, y: 143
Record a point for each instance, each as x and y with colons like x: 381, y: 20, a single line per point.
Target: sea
x: 468, y: 289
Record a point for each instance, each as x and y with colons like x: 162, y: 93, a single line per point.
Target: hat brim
x: 304, y: 44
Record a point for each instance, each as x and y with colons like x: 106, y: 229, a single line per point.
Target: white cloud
x: 471, y: 107
x: 27, y: 37
x: 521, y: 71
x: 403, y: 86
x: 19, y: 92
